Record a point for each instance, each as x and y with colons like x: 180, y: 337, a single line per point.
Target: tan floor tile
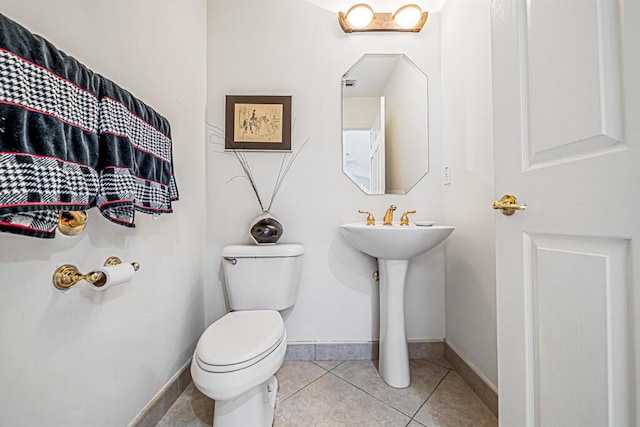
x: 425, y: 377
x: 330, y: 401
x: 454, y: 404
x: 295, y: 375
x: 192, y: 409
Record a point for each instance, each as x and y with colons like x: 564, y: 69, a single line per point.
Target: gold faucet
x: 388, y: 216
x: 404, y: 220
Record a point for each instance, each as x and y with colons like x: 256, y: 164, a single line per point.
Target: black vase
x: 266, y: 230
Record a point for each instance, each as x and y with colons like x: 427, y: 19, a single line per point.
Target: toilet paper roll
x: 113, y: 275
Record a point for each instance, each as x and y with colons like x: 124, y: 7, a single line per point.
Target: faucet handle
x: 370, y: 219
x: 404, y: 220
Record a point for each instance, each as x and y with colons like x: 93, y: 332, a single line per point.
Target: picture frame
x: 260, y: 123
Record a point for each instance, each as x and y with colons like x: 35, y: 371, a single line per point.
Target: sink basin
x: 394, y: 246
x: 394, y: 241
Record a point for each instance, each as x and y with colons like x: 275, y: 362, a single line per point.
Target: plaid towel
x: 71, y: 139
x: 135, y: 162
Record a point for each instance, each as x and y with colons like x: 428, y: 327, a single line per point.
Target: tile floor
x: 351, y: 393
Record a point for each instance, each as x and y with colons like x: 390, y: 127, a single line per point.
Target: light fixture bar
x: 381, y: 22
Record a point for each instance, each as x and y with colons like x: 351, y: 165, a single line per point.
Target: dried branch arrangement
x: 218, y: 137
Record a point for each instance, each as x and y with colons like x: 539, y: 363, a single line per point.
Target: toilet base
x: 256, y: 407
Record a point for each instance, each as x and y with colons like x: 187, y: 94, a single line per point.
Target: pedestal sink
x: 394, y: 246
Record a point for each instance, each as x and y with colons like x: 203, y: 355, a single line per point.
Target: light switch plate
x: 446, y: 175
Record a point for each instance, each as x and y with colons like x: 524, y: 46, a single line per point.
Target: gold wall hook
x: 370, y: 219
x: 404, y: 219
x: 72, y: 223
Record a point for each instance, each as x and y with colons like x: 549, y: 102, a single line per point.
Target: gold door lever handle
x: 508, y: 205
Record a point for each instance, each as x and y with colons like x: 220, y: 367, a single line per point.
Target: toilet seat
x: 239, y: 339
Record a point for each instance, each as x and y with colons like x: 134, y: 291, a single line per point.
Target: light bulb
x: 360, y: 15
x: 408, y: 16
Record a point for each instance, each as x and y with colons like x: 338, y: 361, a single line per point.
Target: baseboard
x: 160, y: 404
x: 368, y: 350
x: 478, y: 382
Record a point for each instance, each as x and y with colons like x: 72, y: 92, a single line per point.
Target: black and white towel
x: 135, y: 160
x: 71, y: 139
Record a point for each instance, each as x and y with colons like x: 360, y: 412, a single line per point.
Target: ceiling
x: 377, y: 5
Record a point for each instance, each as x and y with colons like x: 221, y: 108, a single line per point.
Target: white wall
x: 468, y: 149
x: 298, y: 48
x: 79, y: 358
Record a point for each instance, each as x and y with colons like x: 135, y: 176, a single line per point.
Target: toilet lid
x: 240, y: 339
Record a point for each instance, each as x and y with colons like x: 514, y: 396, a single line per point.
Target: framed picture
x: 258, y: 123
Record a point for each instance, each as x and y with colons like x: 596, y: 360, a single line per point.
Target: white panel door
x: 566, y: 83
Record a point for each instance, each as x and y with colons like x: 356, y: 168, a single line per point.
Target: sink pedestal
x: 394, y: 246
x: 394, y: 354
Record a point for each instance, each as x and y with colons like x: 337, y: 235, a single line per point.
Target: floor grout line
x: 390, y: 406
x: 436, y: 363
x: 315, y: 362
x: 305, y: 386
x: 369, y: 394
x: 308, y: 384
x: 431, y: 394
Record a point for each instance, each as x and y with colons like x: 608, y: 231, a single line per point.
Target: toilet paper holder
x: 68, y: 275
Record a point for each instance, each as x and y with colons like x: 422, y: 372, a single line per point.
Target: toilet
x: 237, y: 356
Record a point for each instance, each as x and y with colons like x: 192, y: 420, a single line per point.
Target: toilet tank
x: 265, y: 277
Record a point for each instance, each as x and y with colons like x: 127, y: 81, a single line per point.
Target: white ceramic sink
x: 394, y: 241
x: 394, y: 246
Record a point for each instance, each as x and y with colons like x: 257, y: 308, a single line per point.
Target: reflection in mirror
x: 385, y: 130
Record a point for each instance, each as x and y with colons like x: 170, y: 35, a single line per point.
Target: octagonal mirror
x: 385, y: 124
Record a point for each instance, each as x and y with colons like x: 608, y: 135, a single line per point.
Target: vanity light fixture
x: 362, y: 18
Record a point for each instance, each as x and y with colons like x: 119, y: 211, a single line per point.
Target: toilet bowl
x: 236, y: 358
x: 239, y: 373
x: 226, y: 366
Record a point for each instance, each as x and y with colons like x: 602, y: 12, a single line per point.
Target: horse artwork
x: 261, y: 123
